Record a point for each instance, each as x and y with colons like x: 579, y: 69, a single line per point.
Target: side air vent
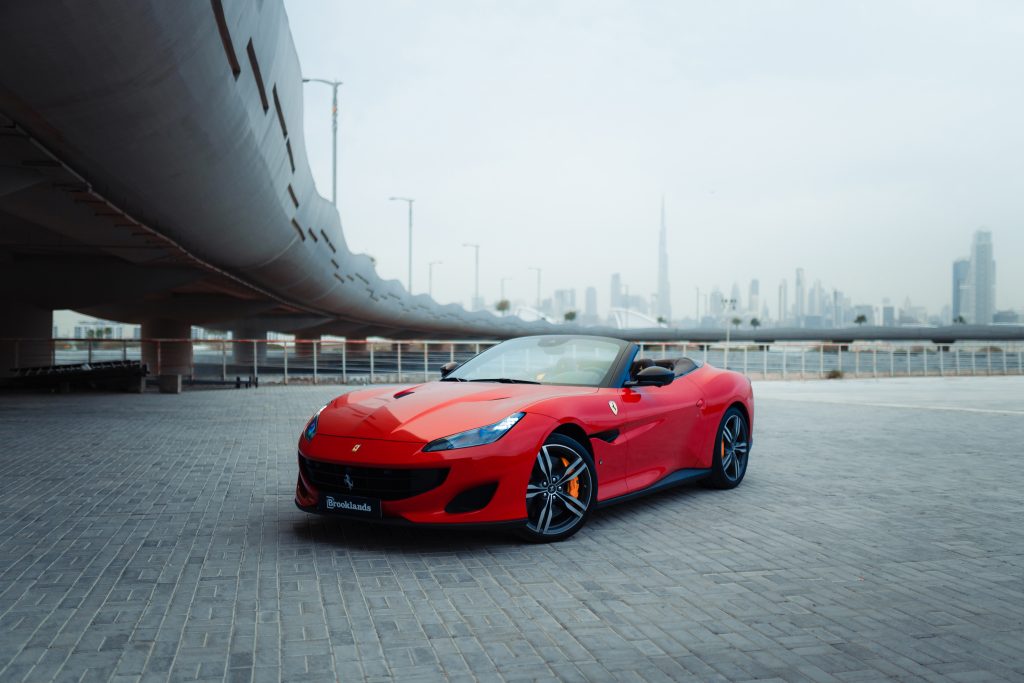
x: 291, y: 159
x: 295, y: 200
x: 255, y: 65
x: 310, y: 230
x: 298, y: 229
x: 225, y: 37
x: 608, y: 435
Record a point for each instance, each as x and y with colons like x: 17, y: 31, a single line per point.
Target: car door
x: 662, y: 422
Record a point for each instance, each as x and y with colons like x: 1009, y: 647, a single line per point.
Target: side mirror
x: 654, y: 376
x: 447, y: 368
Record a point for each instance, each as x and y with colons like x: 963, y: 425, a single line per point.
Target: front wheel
x: 561, y: 491
x: 732, y: 450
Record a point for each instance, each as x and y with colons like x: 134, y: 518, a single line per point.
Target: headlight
x: 310, y: 430
x: 475, y: 437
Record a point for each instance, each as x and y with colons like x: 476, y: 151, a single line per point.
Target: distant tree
x: 736, y: 322
x: 661, y: 320
x: 502, y: 306
x: 755, y: 323
x: 959, y: 320
x: 569, y: 316
x: 860, y: 319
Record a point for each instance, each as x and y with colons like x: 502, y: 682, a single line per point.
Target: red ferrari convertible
x: 534, y: 433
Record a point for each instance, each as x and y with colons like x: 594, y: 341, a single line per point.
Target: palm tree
x: 959, y: 320
x: 736, y: 322
x: 569, y: 316
x: 502, y: 306
x: 860, y: 319
x: 755, y: 323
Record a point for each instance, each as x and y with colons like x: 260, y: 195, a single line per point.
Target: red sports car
x: 534, y: 433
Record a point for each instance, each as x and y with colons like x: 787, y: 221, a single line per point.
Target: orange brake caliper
x: 574, y: 485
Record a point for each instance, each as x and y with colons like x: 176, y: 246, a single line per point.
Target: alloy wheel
x: 560, y: 491
x: 735, y: 446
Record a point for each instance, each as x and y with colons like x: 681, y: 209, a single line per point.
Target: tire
x: 732, y: 450
x: 558, y: 506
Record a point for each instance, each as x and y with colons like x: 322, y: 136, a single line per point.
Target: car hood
x: 425, y: 412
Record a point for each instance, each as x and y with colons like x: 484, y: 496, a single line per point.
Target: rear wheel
x: 561, y: 490
x: 732, y: 450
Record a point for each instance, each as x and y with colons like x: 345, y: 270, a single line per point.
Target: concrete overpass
x: 153, y: 170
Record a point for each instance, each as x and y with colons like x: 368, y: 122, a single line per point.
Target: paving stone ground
x: 878, y: 535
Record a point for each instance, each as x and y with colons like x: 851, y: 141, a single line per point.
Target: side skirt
x: 677, y: 478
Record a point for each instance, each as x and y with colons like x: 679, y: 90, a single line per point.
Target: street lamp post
x: 503, y: 281
x: 538, y: 287
x: 430, y: 276
x: 476, y: 285
x: 334, y: 132
x: 408, y: 201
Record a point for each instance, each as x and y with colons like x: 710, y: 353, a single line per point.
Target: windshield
x: 556, y: 359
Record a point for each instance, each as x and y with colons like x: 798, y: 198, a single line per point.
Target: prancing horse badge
x: 615, y: 408
x: 356, y: 447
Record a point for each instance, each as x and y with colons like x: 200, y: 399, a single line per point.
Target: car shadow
x: 394, y: 538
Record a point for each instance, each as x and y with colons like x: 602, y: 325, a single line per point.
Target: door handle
x: 700, y: 404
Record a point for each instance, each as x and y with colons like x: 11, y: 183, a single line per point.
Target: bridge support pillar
x: 242, y: 352
x: 32, y: 327
x: 167, y: 357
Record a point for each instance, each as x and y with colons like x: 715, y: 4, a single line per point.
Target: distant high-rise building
x: 736, y: 303
x: 590, y: 303
x: 799, y: 298
x: 816, y: 300
x: 888, y: 316
x: 981, y: 278
x: 664, y: 300
x: 961, y: 289
x: 783, y: 301
x: 754, y: 298
x: 716, y: 303
x: 616, y: 293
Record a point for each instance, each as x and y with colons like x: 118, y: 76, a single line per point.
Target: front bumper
x: 410, y: 483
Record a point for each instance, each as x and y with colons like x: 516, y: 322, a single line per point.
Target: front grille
x: 373, y: 482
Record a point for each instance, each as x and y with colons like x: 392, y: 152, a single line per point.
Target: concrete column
x: 241, y: 353
x: 33, y: 327
x: 171, y: 358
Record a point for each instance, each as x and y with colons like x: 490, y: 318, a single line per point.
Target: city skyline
x: 869, y: 168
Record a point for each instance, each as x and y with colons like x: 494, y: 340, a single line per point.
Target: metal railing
x: 387, y: 361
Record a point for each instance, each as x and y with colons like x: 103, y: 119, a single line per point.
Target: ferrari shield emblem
x: 356, y: 447
x: 615, y: 408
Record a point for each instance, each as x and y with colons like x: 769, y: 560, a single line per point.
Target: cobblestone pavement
x: 878, y: 535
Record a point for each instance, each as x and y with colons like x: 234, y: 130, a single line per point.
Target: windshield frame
x: 612, y: 378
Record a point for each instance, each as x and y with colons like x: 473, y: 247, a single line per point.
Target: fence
x: 379, y: 361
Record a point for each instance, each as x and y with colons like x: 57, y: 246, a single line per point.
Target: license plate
x: 353, y: 506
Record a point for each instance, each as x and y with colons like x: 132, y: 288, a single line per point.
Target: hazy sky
x: 863, y: 141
